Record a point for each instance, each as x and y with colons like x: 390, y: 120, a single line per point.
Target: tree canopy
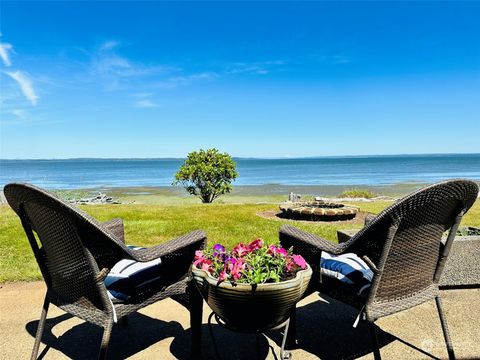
x: 207, y: 174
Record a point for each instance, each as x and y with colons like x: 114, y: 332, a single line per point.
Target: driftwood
x: 100, y: 198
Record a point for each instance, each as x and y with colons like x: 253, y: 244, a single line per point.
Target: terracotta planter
x: 246, y: 310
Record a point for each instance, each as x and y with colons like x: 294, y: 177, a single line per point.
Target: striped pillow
x: 129, y: 278
x: 347, y: 268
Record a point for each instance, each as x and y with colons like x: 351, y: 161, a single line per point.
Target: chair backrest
x: 70, y: 248
x: 405, y: 240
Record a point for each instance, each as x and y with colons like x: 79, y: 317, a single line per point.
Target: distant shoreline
x: 244, y: 157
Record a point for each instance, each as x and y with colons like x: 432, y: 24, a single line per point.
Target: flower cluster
x: 254, y: 263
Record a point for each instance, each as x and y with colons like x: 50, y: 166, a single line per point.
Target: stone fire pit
x: 318, y: 211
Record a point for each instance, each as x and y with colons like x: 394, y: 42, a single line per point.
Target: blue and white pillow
x: 128, y: 278
x: 347, y: 268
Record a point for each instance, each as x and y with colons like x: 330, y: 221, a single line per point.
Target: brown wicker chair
x: 75, y: 252
x: 402, y: 245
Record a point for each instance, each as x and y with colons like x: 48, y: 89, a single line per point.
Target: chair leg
x: 40, y: 328
x: 291, y: 342
x: 107, y: 331
x: 443, y: 321
x: 373, y: 333
x: 196, y: 310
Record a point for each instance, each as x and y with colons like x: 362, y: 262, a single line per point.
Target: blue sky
x: 271, y: 79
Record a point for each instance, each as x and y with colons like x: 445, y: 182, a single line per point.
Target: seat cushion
x: 129, y: 279
x: 347, y: 269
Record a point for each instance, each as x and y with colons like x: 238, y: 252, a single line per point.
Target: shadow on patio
x: 325, y: 331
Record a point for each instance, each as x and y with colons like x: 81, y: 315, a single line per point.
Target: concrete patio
x: 161, y: 331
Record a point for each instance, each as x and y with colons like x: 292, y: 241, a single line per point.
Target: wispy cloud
x: 108, y: 45
x: 177, y: 81
x: 5, y: 50
x: 145, y: 103
x: 114, y: 69
x: 20, y: 113
x: 333, y: 59
x: 258, y: 67
x: 26, y: 85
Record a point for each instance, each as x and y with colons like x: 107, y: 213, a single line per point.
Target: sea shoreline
x: 268, y: 193
x: 269, y: 189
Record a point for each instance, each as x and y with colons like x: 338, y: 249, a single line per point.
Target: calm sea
x: 365, y: 170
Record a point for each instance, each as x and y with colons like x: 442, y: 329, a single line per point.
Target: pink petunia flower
x: 230, y: 264
x: 237, y: 268
x: 222, y: 277
x: 199, y: 259
x: 255, y: 244
x: 274, y: 250
x: 240, y: 250
x: 300, y: 261
x: 207, y: 266
x: 198, y: 263
x: 282, y: 251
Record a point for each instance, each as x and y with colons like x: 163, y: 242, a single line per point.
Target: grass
x: 357, y: 193
x: 152, y: 224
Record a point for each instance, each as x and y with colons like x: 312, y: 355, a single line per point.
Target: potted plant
x: 252, y: 288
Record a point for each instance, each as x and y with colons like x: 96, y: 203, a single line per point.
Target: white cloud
x: 113, y: 64
x: 145, y: 103
x: 177, y: 81
x: 259, y: 67
x: 5, y: 49
x: 25, y: 84
x: 116, y: 71
x: 108, y: 67
x: 20, y: 113
x: 108, y: 45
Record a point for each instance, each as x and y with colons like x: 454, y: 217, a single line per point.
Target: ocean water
x: 351, y: 171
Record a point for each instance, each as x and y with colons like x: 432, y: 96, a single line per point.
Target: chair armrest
x: 115, y: 226
x: 369, y: 218
x: 291, y: 236
x: 310, y: 247
x: 190, y: 242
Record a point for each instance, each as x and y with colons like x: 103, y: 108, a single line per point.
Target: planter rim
x: 260, y: 287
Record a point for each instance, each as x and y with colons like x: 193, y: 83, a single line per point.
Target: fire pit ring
x: 318, y: 211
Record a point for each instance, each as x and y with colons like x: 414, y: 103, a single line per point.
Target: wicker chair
x: 75, y: 252
x: 402, y: 245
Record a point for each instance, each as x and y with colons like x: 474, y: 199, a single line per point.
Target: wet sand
x: 240, y: 194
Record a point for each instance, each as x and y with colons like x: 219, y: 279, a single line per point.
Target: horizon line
x: 243, y: 157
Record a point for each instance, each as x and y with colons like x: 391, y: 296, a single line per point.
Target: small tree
x: 207, y: 174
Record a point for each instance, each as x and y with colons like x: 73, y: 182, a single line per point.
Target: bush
x: 357, y: 193
x: 207, y: 174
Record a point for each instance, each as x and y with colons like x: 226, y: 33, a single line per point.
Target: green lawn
x: 152, y: 224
